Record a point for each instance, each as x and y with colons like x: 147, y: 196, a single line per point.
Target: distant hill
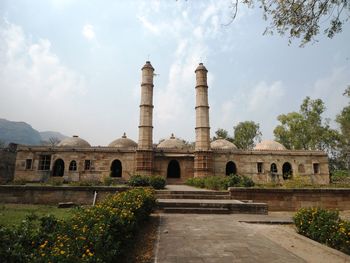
x: 46, y: 135
x: 23, y: 133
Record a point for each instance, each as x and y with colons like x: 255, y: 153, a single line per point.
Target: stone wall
x: 293, y: 199
x: 52, y: 195
x: 185, y: 161
x: 7, y: 163
x: 246, y: 164
x: 101, y: 161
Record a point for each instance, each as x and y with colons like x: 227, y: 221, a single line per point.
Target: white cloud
x: 175, y: 101
x: 34, y: 85
x: 88, y: 32
x: 330, y: 89
x: 148, y: 25
x: 265, y: 96
x: 264, y: 102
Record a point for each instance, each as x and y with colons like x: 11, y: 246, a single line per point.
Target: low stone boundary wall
x: 52, y: 195
x: 293, y: 199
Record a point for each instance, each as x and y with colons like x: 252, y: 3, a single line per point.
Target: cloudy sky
x: 75, y: 66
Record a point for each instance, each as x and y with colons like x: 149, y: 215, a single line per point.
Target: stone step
x: 197, y: 210
x: 234, y: 206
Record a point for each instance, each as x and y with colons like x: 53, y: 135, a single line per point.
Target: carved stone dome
x: 74, y: 141
x: 222, y: 144
x: 172, y: 143
x: 269, y: 145
x: 123, y: 142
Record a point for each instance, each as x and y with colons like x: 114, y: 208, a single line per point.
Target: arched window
x: 273, y: 168
x: 174, y: 170
x: 116, y: 169
x: 58, y: 168
x: 287, y: 171
x: 231, y: 168
x: 73, y: 166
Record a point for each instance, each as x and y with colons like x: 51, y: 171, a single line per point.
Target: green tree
x: 301, y: 19
x: 222, y: 134
x: 343, y: 119
x: 246, y: 135
x: 306, y: 130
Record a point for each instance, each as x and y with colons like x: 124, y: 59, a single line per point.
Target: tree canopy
x: 301, y: 19
x: 306, y: 130
x: 246, y: 135
x: 222, y: 134
x: 343, y: 119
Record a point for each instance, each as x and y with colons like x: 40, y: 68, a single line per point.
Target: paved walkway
x: 223, y: 238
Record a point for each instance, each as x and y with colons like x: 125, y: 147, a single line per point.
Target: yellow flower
x: 62, y: 252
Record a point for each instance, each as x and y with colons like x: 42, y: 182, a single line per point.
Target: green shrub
x: 234, y: 180
x: 215, y: 182
x: 138, y: 180
x: 247, y: 181
x: 101, y: 233
x: 107, y: 180
x: 340, y: 176
x: 86, y: 183
x: 220, y: 182
x: 324, y: 226
x: 196, y: 182
x: 157, y: 182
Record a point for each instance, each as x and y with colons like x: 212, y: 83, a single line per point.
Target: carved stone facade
x: 75, y: 160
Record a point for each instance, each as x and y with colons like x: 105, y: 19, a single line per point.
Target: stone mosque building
x: 75, y: 159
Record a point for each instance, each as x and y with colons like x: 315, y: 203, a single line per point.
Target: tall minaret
x: 203, y: 154
x: 144, y: 156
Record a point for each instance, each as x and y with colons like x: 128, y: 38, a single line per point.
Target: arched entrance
x: 287, y: 171
x: 231, y: 168
x: 58, y: 168
x: 116, y: 169
x: 273, y: 168
x: 173, y: 169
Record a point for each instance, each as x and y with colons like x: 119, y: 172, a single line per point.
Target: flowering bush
x: 324, y: 226
x: 102, y: 233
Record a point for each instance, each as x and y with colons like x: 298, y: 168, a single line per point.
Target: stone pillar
x: 144, y: 155
x: 203, y: 153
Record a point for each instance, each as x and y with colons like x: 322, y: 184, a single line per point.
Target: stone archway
x: 287, y: 171
x: 58, y: 168
x: 231, y: 168
x: 273, y: 168
x: 173, y: 170
x: 116, y: 168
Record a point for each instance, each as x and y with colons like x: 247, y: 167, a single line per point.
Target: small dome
x: 222, y: 144
x: 201, y: 67
x: 269, y: 145
x: 123, y: 142
x: 74, y: 141
x: 172, y: 143
x: 148, y: 65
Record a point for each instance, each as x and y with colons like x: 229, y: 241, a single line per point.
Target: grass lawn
x: 13, y: 214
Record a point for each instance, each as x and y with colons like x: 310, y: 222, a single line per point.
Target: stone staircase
x: 205, y: 202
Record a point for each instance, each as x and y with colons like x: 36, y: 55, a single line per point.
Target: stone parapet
x: 52, y: 195
x: 294, y: 199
